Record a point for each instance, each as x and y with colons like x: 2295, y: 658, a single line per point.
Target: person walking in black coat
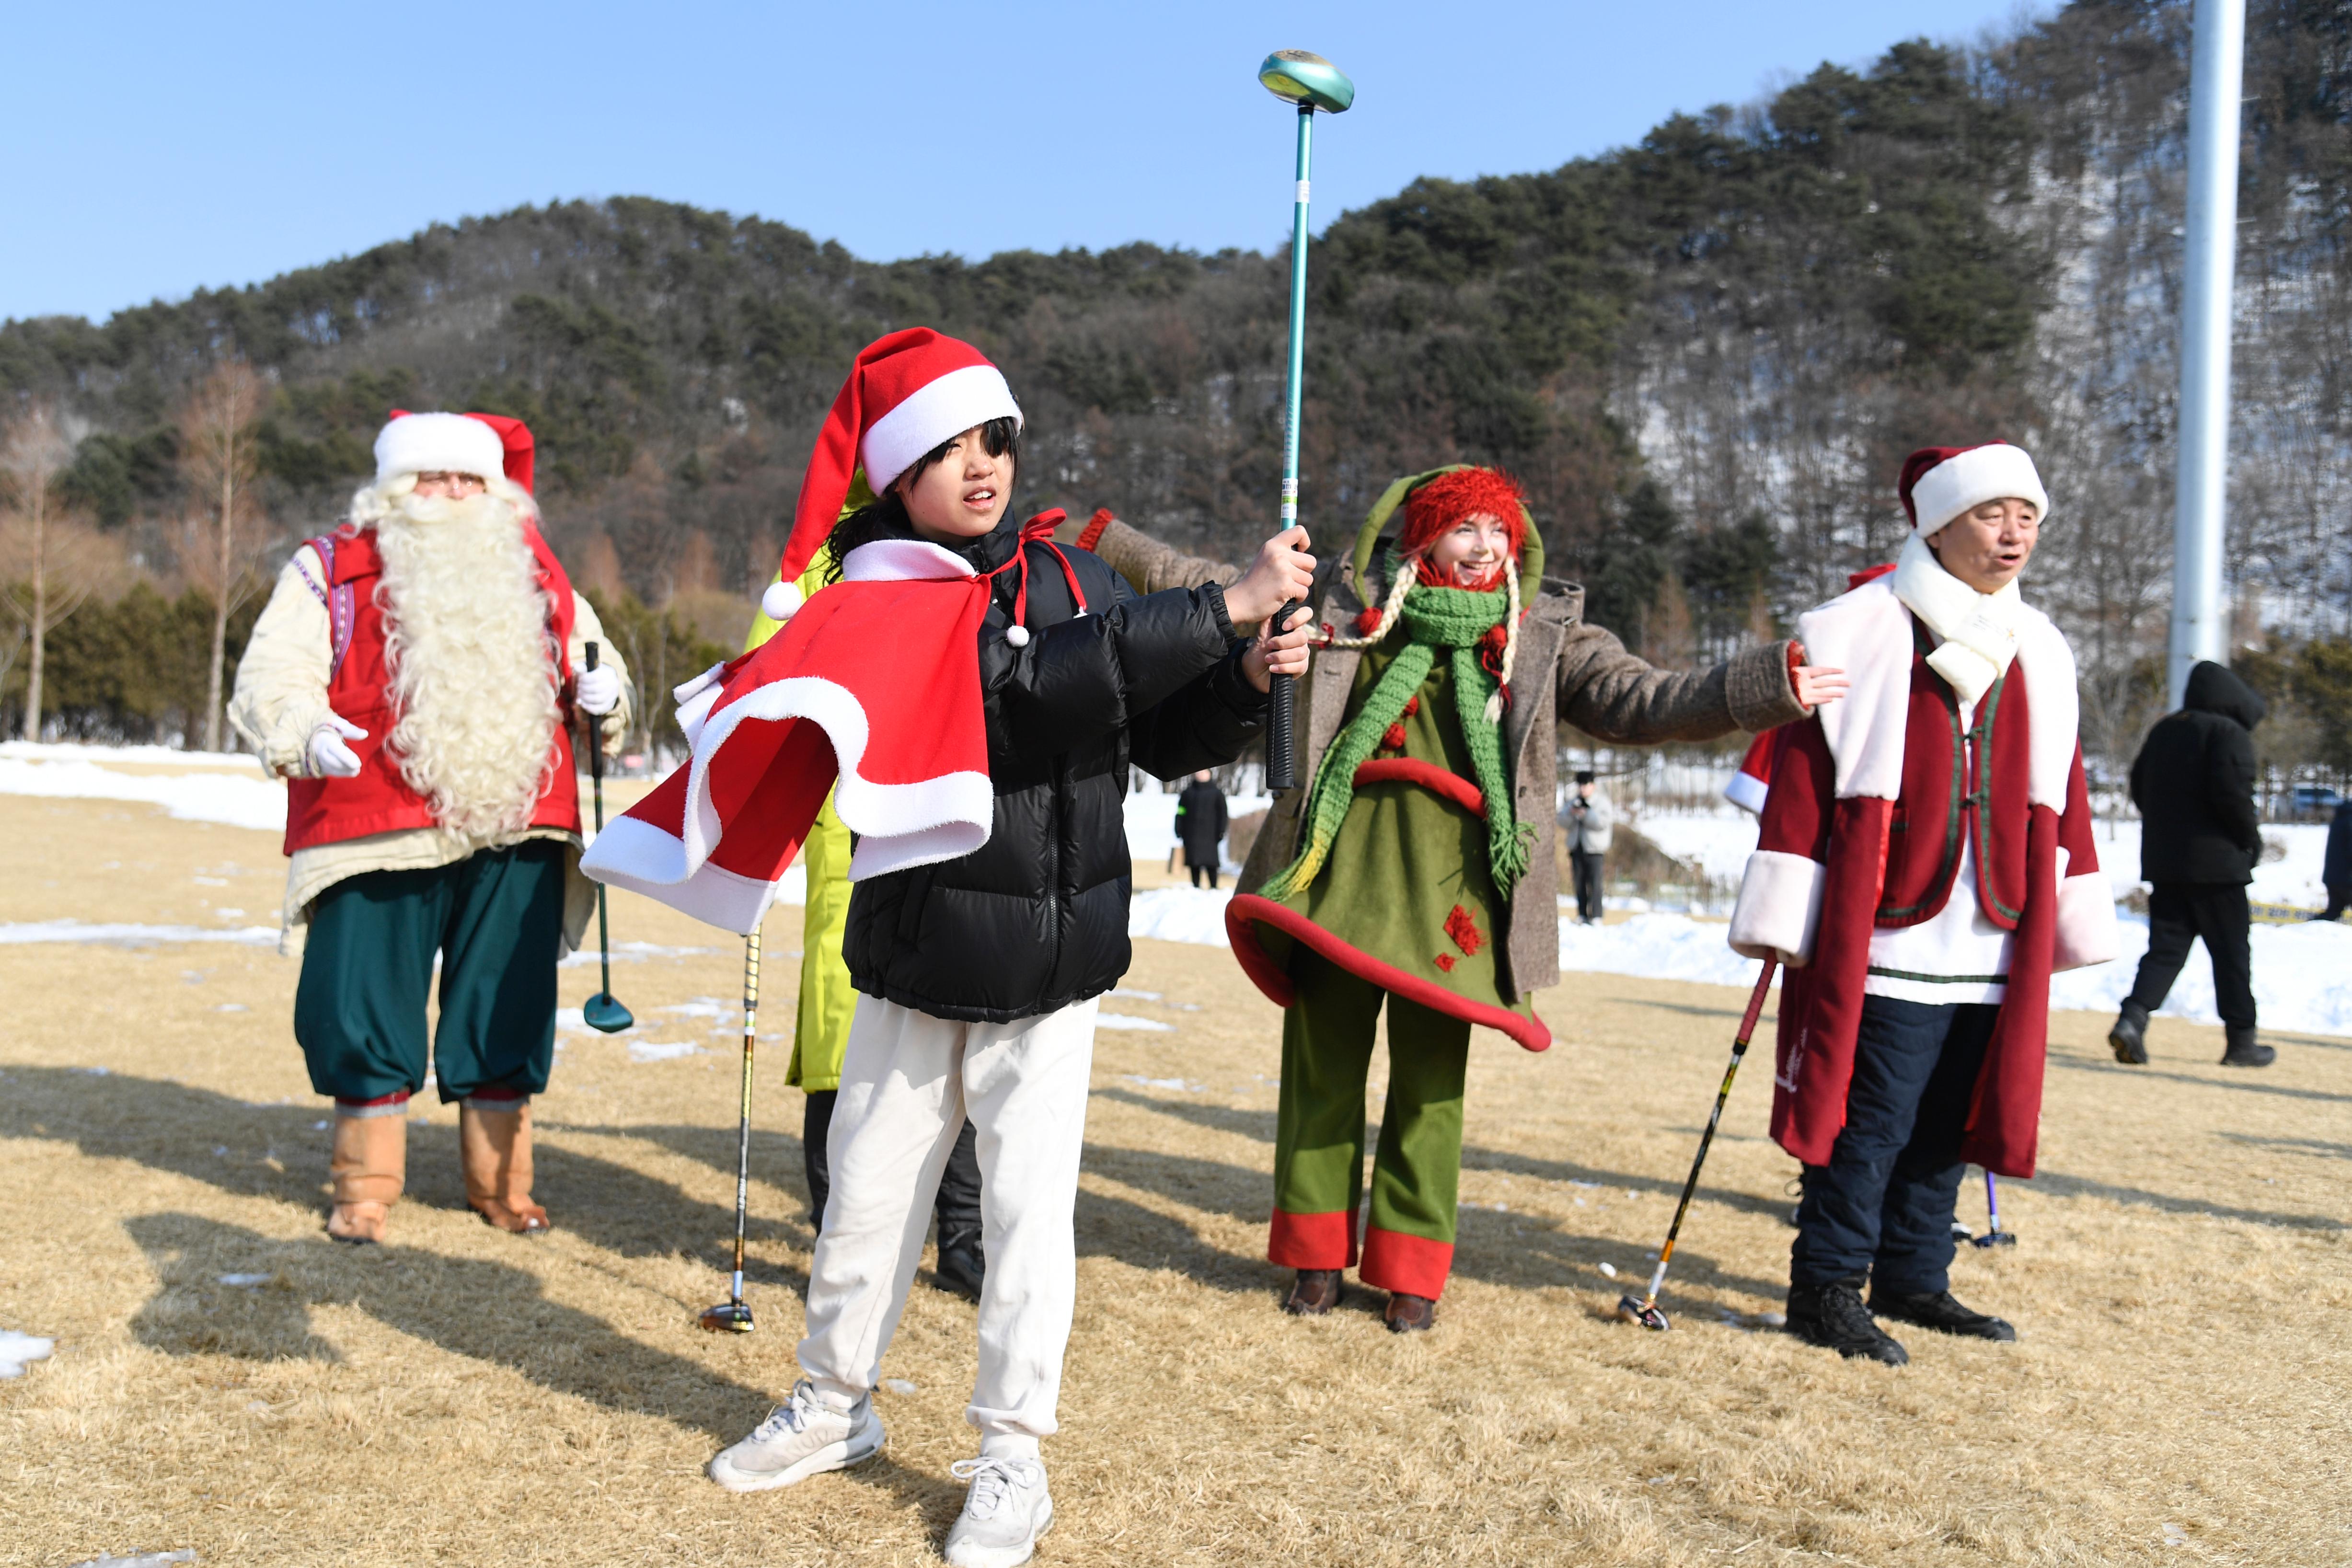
x: 2201, y: 839
x: 1201, y: 823
x: 2335, y: 871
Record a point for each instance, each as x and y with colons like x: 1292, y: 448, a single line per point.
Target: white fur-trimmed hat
x: 439, y: 443
x: 1940, y: 483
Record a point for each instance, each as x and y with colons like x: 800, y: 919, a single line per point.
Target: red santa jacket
x: 378, y: 799
x: 1871, y: 801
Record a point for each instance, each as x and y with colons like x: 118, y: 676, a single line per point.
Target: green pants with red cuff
x: 1318, y: 1153
x: 496, y: 921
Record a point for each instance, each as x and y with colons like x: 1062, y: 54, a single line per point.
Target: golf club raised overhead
x: 1307, y: 79
x: 1311, y: 82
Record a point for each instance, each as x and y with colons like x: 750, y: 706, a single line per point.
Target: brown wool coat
x: 1566, y: 670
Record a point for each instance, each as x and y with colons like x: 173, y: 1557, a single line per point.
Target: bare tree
x: 53, y: 551
x: 216, y: 435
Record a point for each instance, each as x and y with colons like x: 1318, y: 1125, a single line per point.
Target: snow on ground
x: 1718, y: 842
x: 1192, y: 915
x: 127, y: 935
x: 248, y: 802
x: 75, y: 752
x: 16, y: 1351
x: 2303, y: 974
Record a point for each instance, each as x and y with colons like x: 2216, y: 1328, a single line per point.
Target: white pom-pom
x: 781, y: 600
x: 1017, y: 635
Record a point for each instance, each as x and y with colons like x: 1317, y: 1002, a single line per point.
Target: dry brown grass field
x: 462, y: 1396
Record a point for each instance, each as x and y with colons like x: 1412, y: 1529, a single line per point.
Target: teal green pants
x: 496, y: 919
x: 1318, y: 1152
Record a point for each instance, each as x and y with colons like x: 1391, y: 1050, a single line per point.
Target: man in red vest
x: 1925, y: 866
x: 413, y: 679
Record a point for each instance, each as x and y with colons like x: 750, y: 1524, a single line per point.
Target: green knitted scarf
x: 1433, y: 619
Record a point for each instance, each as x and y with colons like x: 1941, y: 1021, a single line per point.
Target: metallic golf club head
x: 727, y: 1317
x: 605, y: 1015
x: 1994, y: 1239
x: 1302, y: 78
x: 1650, y: 1316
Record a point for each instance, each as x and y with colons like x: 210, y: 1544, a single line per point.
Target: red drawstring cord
x: 1036, y: 530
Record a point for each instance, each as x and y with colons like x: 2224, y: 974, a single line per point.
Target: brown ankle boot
x: 370, y: 1164
x: 1410, y: 1314
x: 494, y: 1147
x: 1315, y: 1292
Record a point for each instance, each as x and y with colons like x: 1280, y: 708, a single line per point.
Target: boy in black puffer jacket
x: 2201, y: 839
x: 979, y: 976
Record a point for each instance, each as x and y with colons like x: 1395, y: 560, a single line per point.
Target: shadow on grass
x: 2293, y: 1145
x: 2061, y: 1185
x: 279, y: 1151
x: 2240, y: 1079
x: 486, y: 1312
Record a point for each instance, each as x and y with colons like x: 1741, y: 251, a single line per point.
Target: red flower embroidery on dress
x: 1393, y: 739
x: 1445, y: 961
x: 1412, y: 706
x: 1465, y: 932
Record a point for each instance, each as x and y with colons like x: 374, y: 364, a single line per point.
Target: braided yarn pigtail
x: 1405, y: 577
x: 1510, y: 643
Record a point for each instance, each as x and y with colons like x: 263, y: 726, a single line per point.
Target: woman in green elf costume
x: 1417, y: 871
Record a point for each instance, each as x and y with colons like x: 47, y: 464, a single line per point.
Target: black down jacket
x: 2193, y: 782
x: 1035, y: 918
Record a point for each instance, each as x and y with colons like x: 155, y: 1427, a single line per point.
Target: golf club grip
x: 1281, y: 721
x: 595, y: 740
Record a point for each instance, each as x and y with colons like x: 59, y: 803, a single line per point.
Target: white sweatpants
x: 908, y: 1082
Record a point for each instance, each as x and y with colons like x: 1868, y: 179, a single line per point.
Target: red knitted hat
x: 1438, y: 506
x: 907, y: 393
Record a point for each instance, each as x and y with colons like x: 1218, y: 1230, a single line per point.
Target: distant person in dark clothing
x: 2336, y: 872
x: 2199, y: 842
x: 1200, y: 825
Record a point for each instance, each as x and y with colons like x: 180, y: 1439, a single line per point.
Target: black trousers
x: 1209, y: 870
x: 2178, y: 914
x: 957, y: 1207
x: 1587, y: 868
x: 1883, y: 1205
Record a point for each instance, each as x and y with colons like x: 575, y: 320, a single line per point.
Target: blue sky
x: 150, y: 150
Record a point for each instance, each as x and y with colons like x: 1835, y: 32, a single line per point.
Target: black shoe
x: 962, y: 1265
x: 1409, y: 1314
x: 2129, y: 1036
x: 1940, y: 1312
x: 1314, y: 1293
x: 1832, y: 1317
x: 2243, y: 1050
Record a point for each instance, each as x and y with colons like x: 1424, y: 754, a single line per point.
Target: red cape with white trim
x: 874, y: 683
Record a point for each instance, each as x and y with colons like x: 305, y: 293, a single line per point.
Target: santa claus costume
x: 1924, y: 865
x: 974, y: 710
x: 413, y: 679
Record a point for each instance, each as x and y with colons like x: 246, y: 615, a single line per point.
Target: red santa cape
x: 1812, y: 890
x: 875, y: 682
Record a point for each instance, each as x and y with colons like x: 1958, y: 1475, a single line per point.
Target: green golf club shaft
x: 596, y: 787
x: 743, y: 1135
x: 1281, y: 742
x: 1690, y: 1185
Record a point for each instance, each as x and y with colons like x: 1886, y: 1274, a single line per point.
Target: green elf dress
x: 1408, y: 851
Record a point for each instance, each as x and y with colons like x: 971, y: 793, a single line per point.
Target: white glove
x: 597, y: 690
x: 329, y: 757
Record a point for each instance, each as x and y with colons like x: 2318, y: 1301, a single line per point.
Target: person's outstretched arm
x: 1612, y: 695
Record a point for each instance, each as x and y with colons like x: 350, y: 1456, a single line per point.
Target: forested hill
x: 1705, y: 355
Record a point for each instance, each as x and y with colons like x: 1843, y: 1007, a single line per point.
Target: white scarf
x: 1980, y: 630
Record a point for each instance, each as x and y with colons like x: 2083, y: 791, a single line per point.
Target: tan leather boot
x: 495, y: 1149
x: 370, y: 1164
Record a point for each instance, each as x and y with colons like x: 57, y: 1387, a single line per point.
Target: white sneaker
x: 1006, y: 1510
x: 801, y: 1438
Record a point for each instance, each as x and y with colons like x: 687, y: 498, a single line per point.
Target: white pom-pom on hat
x: 781, y: 599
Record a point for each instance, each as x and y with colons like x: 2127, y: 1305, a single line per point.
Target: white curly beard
x: 465, y: 650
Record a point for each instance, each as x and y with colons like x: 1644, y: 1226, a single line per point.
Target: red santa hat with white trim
x: 1941, y: 483
x: 907, y: 393
x: 488, y: 446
